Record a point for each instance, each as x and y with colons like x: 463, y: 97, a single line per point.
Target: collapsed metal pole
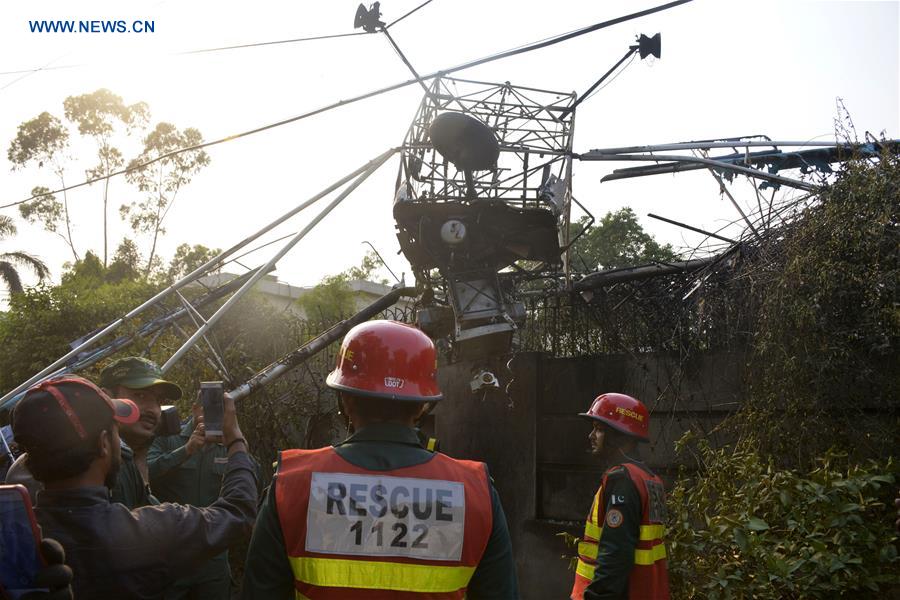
x: 714, y: 144
x: 258, y: 274
x: 794, y: 183
x: 317, y: 344
x: 193, y: 275
x: 692, y: 228
x: 724, y: 190
x: 620, y: 275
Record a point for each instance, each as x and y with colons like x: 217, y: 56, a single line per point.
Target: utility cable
x: 221, y: 48
x: 395, y: 21
x: 199, y: 51
x: 614, y: 77
x: 506, y: 54
x: 259, y: 44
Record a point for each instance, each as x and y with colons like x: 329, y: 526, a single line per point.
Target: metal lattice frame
x: 533, y: 127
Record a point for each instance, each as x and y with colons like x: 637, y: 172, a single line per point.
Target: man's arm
x: 190, y: 535
x: 201, y: 533
x: 621, y: 528
x: 267, y: 572
x: 164, y: 455
x: 495, y: 576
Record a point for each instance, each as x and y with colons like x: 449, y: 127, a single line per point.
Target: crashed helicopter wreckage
x: 482, y: 205
x: 484, y: 184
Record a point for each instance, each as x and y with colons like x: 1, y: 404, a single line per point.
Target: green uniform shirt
x: 177, y: 477
x: 131, y: 489
x: 379, y: 447
x: 195, y: 480
x: 615, y: 551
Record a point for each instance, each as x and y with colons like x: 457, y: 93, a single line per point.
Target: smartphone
x: 212, y: 398
x: 20, y: 539
x: 169, y: 421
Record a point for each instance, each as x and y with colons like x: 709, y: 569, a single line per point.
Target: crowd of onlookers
x: 127, y: 510
x: 139, y: 514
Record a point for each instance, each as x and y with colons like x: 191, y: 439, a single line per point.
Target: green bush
x: 742, y: 528
x: 826, y: 292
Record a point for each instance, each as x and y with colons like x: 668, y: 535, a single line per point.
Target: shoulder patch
x: 614, y: 518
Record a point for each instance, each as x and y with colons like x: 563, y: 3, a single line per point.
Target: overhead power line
x: 395, y: 21
x: 468, y: 65
x: 258, y: 44
x: 221, y: 48
x: 199, y: 51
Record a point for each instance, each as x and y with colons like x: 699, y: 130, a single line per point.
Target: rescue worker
x: 378, y: 515
x: 69, y: 428
x: 186, y: 468
x: 141, y: 381
x: 622, y: 554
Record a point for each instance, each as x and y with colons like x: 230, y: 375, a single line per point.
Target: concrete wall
x: 537, y: 449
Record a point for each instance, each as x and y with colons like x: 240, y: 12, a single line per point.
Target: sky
x: 728, y: 68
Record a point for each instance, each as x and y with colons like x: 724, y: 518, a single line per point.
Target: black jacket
x: 120, y: 553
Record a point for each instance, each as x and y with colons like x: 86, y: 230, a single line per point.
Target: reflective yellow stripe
x: 595, y: 507
x: 592, y: 531
x: 376, y: 575
x: 587, y: 549
x: 641, y: 556
x: 652, y: 532
x: 431, y: 444
x: 648, y: 557
x: 585, y: 570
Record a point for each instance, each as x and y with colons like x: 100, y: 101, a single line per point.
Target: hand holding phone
x: 212, y: 399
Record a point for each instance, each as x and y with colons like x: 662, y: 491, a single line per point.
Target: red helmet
x: 387, y: 359
x: 622, y: 413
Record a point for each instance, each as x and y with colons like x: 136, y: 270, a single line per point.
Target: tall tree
x: 618, y: 240
x: 44, y: 140
x: 161, y: 180
x: 96, y: 115
x: 187, y: 258
x: 126, y: 263
x: 10, y: 261
x: 332, y: 299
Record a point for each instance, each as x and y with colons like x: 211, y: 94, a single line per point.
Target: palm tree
x: 10, y: 261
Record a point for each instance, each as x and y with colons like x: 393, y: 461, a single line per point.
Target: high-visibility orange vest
x: 414, y: 532
x: 649, y: 577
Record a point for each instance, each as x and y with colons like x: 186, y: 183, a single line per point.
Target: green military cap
x: 137, y: 373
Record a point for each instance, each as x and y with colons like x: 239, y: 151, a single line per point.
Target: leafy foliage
x: 742, y: 528
x: 187, y: 258
x: 827, y: 326
x: 42, y: 321
x: 38, y: 140
x: 96, y: 115
x: 105, y: 121
x: 332, y: 299
x: 44, y: 140
x: 618, y: 240
x: 161, y: 180
x: 10, y: 262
